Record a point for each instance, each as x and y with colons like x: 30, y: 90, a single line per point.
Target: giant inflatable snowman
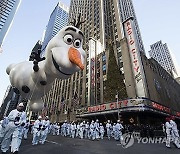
x: 64, y: 56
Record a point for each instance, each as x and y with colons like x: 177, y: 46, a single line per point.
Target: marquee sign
x: 161, y: 107
x: 115, y: 105
x: 137, y: 67
x: 128, y: 103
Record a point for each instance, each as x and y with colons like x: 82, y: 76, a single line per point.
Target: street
x: 66, y: 145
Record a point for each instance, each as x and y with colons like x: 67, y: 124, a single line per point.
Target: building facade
x: 10, y: 101
x: 127, y: 11
x: 103, y: 29
x: 160, y: 52
x: 8, y: 9
x: 58, y: 19
x: 115, y: 82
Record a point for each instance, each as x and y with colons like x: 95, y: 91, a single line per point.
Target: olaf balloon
x: 64, y: 56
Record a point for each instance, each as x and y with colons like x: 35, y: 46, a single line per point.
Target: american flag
x: 75, y: 100
x: 61, y: 103
x: 53, y: 106
x: 45, y: 109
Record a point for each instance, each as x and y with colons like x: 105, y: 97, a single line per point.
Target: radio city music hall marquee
x: 131, y: 103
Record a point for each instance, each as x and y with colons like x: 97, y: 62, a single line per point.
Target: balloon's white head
x: 64, y: 52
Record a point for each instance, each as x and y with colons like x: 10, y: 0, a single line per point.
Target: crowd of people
x: 16, y: 126
x: 93, y: 130
x: 170, y: 128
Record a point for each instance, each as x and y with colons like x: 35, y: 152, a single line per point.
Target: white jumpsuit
x: 73, y: 130
x: 92, y: 131
x: 3, y: 124
x: 16, y: 118
x: 44, y: 131
x: 82, y: 128
x: 36, y: 131
x: 26, y: 129
x: 87, y: 131
x: 101, y: 131
x: 168, y: 133
x: 108, y: 129
x: 96, y: 130
x: 118, y: 132
x: 175, y: 134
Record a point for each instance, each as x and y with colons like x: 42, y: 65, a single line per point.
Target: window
x: 103, y: 57
x: 104, y: 67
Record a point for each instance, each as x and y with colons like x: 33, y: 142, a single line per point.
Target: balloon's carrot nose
x: 75, y: 57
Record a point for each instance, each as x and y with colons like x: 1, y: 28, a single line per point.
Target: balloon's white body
x: 56, y: 65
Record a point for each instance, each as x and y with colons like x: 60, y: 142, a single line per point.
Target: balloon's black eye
x: 68, y: 39
x: 77, y: 43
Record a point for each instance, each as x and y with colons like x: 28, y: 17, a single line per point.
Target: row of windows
x: 162, y: 73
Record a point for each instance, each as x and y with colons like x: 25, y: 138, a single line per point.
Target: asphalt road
x: 66, y: 145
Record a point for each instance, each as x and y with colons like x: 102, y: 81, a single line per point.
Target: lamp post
x: 117, y: 98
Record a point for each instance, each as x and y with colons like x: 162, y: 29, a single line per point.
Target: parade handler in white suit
x: 73, y: 129
x: 37, y: 130
x: 18, y: 133
x: 101, y: 130
x: 97, y: 129
x: 118, y: 131
x: 92, y: 130
x: 3, y: 124
x: 82, y: 128
x: 26, y: 129
x: 45, y: 129
x: 168, y: 127
x: 15, y: 118
x: 108, y: 129
x: 174, y: 132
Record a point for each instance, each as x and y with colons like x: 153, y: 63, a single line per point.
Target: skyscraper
x: 118, y: 80
x: 127, y: 11
x: 160, y: 52
x: 58, y: 19
x: 104, y: 74
x: 10, y: 102
x: 104, y: 23
x: 8, y: 9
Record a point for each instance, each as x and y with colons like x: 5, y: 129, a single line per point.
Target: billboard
x: 135, y: 57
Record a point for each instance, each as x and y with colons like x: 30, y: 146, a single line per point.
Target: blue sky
x: 158, y: 20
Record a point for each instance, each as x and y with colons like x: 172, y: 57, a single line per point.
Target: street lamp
x: 117, y: 98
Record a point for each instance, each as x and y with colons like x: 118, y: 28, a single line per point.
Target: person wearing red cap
x: 174, y: 132
x: 168, y: 127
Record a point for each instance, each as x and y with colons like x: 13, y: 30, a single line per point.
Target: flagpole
x: 117, y: 94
